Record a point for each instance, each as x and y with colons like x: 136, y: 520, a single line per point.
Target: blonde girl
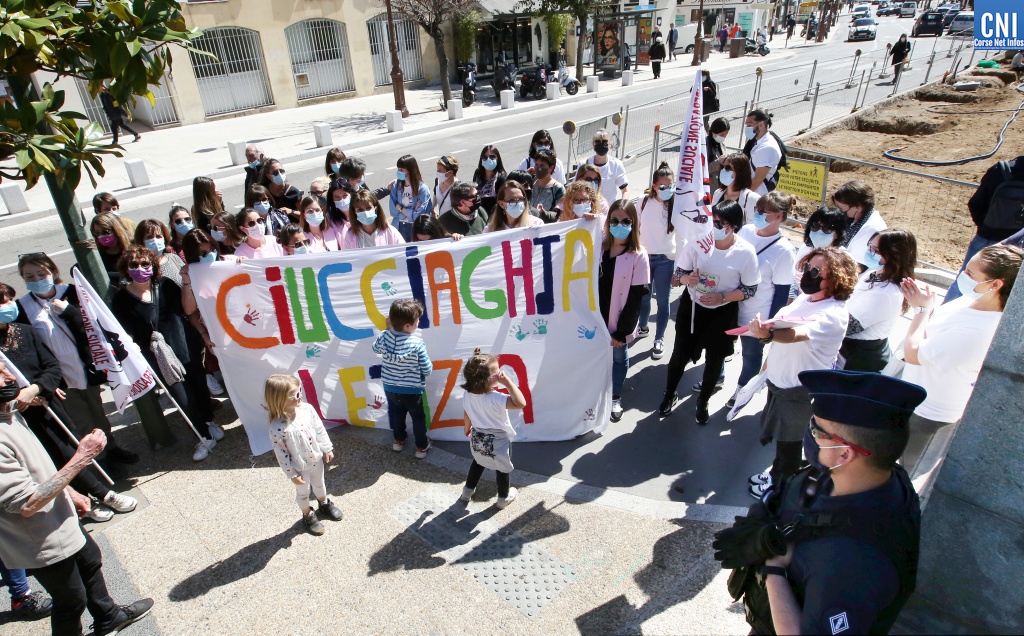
x: 302, y: 447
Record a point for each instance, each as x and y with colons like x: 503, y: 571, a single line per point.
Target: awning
x: 493, y: 8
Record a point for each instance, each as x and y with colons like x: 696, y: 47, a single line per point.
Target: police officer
x: 833, y: 549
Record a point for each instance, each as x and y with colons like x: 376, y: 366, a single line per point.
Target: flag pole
x: 177, y: 406
x: 74, y: 439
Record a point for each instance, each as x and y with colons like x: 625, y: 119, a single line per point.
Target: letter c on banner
x: 238, y: 280
x: 366, y: 288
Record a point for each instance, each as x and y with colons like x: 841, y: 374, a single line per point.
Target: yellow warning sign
x: 804, y: 179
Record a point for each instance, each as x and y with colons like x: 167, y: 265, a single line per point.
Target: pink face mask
x: 106, y: 240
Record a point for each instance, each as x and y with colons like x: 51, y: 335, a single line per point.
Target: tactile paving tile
x: 518, y: 571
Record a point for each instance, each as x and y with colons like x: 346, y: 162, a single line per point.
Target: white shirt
x: 722, y: 271
x: 956, y: 341
x: 442, y: 199
x: 876, y: 307
x: 747, y: 200
x: 56, y: 335
x: 654, y: 234
x: 766, y: 152
x: 858, y: 246
x: 270, y: 248
x: 1018, y: 61
x: 613, y: 177
x: 558, y: 175
x: 819, y: 351
x: 488, y: 412
x: 776, y: 265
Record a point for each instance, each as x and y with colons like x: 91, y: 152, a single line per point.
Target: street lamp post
x: 397, y: 81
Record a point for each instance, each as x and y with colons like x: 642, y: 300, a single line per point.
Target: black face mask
x: 8, y: 392
x: 601, y: 148
x: 810, y: 285
x: 541, y: 171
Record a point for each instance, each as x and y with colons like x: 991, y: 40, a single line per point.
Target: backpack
x: 772, y: 182
x: 1006, y: 208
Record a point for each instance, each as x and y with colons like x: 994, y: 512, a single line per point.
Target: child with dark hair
x: 485, y: 412
x: 404, y: 373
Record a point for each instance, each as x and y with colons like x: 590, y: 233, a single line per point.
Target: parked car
x: 950, y: 6
x: 928, y: 23
x: 908, y: 9
x: 861, y: 11
x: 863, y: 29
x: 888, y: 9
x: 962, y: 24
x: 948, y: 19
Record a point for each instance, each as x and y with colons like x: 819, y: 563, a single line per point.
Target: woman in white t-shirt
x: 715, y: 284
x: 828, y: 276
x: 735, y: 179
x: 946, y: 345
x: 877, y: 302
x: 857, y: 200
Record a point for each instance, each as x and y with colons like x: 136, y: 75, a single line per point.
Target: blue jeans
x: 405, y: 229
x: 402, y: 404
x: 620, y: 364
x: 753, y: 349
x: 976, y: 245
x: 15, y: 580
x: 661, y: 285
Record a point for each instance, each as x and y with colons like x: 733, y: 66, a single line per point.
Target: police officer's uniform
x: 854, y: 557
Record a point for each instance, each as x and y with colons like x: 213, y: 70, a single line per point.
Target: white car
x: 861, y: 11
x: 908, y: 9
x: 962, y: 24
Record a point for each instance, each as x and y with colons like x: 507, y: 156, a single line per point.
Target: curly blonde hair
x: 570, y: 191
x: 841, y: 270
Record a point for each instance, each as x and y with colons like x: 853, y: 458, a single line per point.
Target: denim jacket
x: 422, y: 203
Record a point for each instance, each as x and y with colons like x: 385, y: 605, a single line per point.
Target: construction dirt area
x: 933, y: 123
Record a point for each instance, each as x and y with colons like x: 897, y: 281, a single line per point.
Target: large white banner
x: 693, y: 183
x: 528, y: 296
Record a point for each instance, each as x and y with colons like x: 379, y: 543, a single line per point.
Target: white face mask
x: 257, y: 231
x: 720, y: 139
x: 343, y: 204
x: 966, y: 285
x: 315, y: 218
x: 299, y: 250
x: 726, y: 177
x: 580, y: 209
x: 515, y: 210
x: 442, y: 176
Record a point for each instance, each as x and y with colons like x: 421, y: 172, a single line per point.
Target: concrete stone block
x: 237, y: 151
x: 14, y: 198
x: 508, y: 99
x: 592, y: 82
x: 454, y: 109
x: 322, y: 135
x: 137, y: 174
x: 627, y: 78
x: 552, y: 90
x: 394, y: 120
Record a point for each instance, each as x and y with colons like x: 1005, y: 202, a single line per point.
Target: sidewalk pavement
x: 174, y: 156
x: 221, y: 547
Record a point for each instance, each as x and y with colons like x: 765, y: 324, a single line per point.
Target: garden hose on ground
x: 891, y: 153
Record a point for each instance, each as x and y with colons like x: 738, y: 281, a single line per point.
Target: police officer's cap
x: 870, y: 400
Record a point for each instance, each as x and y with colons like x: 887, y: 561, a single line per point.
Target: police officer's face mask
x: 811, y: 451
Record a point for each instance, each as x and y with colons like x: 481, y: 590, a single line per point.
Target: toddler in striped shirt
x: 404, y: 373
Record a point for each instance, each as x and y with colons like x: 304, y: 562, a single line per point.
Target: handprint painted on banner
x: 378, y: 402
x: 586, y: 333
x: 389, y: 288
x: 590, y: 415
x: 313, y: 351
x: 541, y: 326
x: 518, y: 333
x: 251, y: 316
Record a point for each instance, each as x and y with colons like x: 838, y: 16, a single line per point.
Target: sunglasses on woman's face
x: 251, y: 223
x: 305, y: 243
x: 665, y: 187
x: 139, y: 264
x: 813, y: 272
x: 206, y: 253
x: 719, y: 224
x: 623, y: 222
x: 491, y: 157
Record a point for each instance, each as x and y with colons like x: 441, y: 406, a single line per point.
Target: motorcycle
x: 753, y: 46
x: 534, y: 83
x: 504, y: 77
x: 468, y: 83
x: 566, y: 81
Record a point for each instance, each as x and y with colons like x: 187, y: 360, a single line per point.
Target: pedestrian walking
x: 723, y: 37
x: 404, y: 373
x: 657, y: 53
x: 790, y: 27
x: 115, y: 116
x: 673, y: 41
x: 487, y: 425
x: 898, y: 54
x: 301, y: 446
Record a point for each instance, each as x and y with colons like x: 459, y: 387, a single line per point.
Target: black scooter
x: 468, y: 83
x: 504, y: 77
x: 534, y: 83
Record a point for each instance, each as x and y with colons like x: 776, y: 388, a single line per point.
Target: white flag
x: 693, y: 185
x: 129, y: 376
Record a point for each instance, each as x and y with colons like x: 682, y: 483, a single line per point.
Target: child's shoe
x: 313, y: 524
x: 422, y: 452
x: 505, y: 501
x: 329, y: 510
x: 398, y: 446
x: 467, y: 493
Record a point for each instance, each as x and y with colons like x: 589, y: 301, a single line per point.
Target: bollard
x: 859, y: 87
x: 394, y: 120
x: 888, y: 51
x: 592, y: 82
x: 853, y: 70
x: 758, y: 76
x: 739, y: 129
x: 870, y: 73
x: 931, y: 61
x: 810, y: 82
x: 137, y: 174
x: 627, y: 78
x: 552, y: 90
x: 814, y: 105
x: 322, y: 135
x: 508, y: 99
x: 14, y: 198
x: 236, y: 149
x: 454, y: 109
x: 950, y: 52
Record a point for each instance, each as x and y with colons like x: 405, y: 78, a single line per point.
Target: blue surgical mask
x: 964, y: 283
x: 515, y: 210
x: 579, y: 209
x: 218, y: 235
x: 263, y: 207
x: 748, y: 132
x: 315, y: 218
x: 210, y: 257
x: 822, y: 239
x: 540, y: 147
x: 40, y: 287
x: 343, y: 205
x: 184, y: 227
x: 666, y: 194
x: 720, y: 234
x: 255, y: 165
x: 367, y: 218
x: 156, y: 245
x: 726, y: 177
x: 872, y: 261
x: 620, y: 231
x: 8, y: 312
x: 299, y: 250
x: 490, y: 164
x: 401, y: 176
x: 278, y: 178
x: 335, y: 167
x: 761, y: 220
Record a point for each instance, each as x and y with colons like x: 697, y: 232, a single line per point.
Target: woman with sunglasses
x: 542, y: 141
x: 295, y: 242
x: 581, y: 200
x: 715, y: 285
x: 321, y: 234
x: 658, y: 235
x: 284, y: 196
x: 225, y: 233
x: 150, y: 310
x: 735, y: 179
x: 257, y: 244
x: 827, y: 279
x: 622, y: 283
x: 259, y: 198
x: 179, y: 220
x: 368, y: 226
x: 946, y: 345
x: 511, y: 212
x: 592, y: 174
x: 152, y: 235
x: 112, y: 236
x: 489, y: 177
x: 824, y: 228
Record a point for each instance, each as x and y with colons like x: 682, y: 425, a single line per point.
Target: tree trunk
x: 437, y: 34
x: 581, y: 46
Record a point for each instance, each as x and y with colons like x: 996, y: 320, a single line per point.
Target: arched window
x: 321, y: 64
x: 234, y: 76
x: 408, y: 33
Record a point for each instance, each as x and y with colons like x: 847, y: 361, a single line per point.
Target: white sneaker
x: 467, y: 493
x: 758, y: 491
x: 214, y: 386
x: 119, y: 503
x: 616, y: 409
x: 658, y: 350
x: 505, y: 501
x: 99, y: 515
x: 422, y: 452
x: 203, y: 449
x: 215, y: 431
